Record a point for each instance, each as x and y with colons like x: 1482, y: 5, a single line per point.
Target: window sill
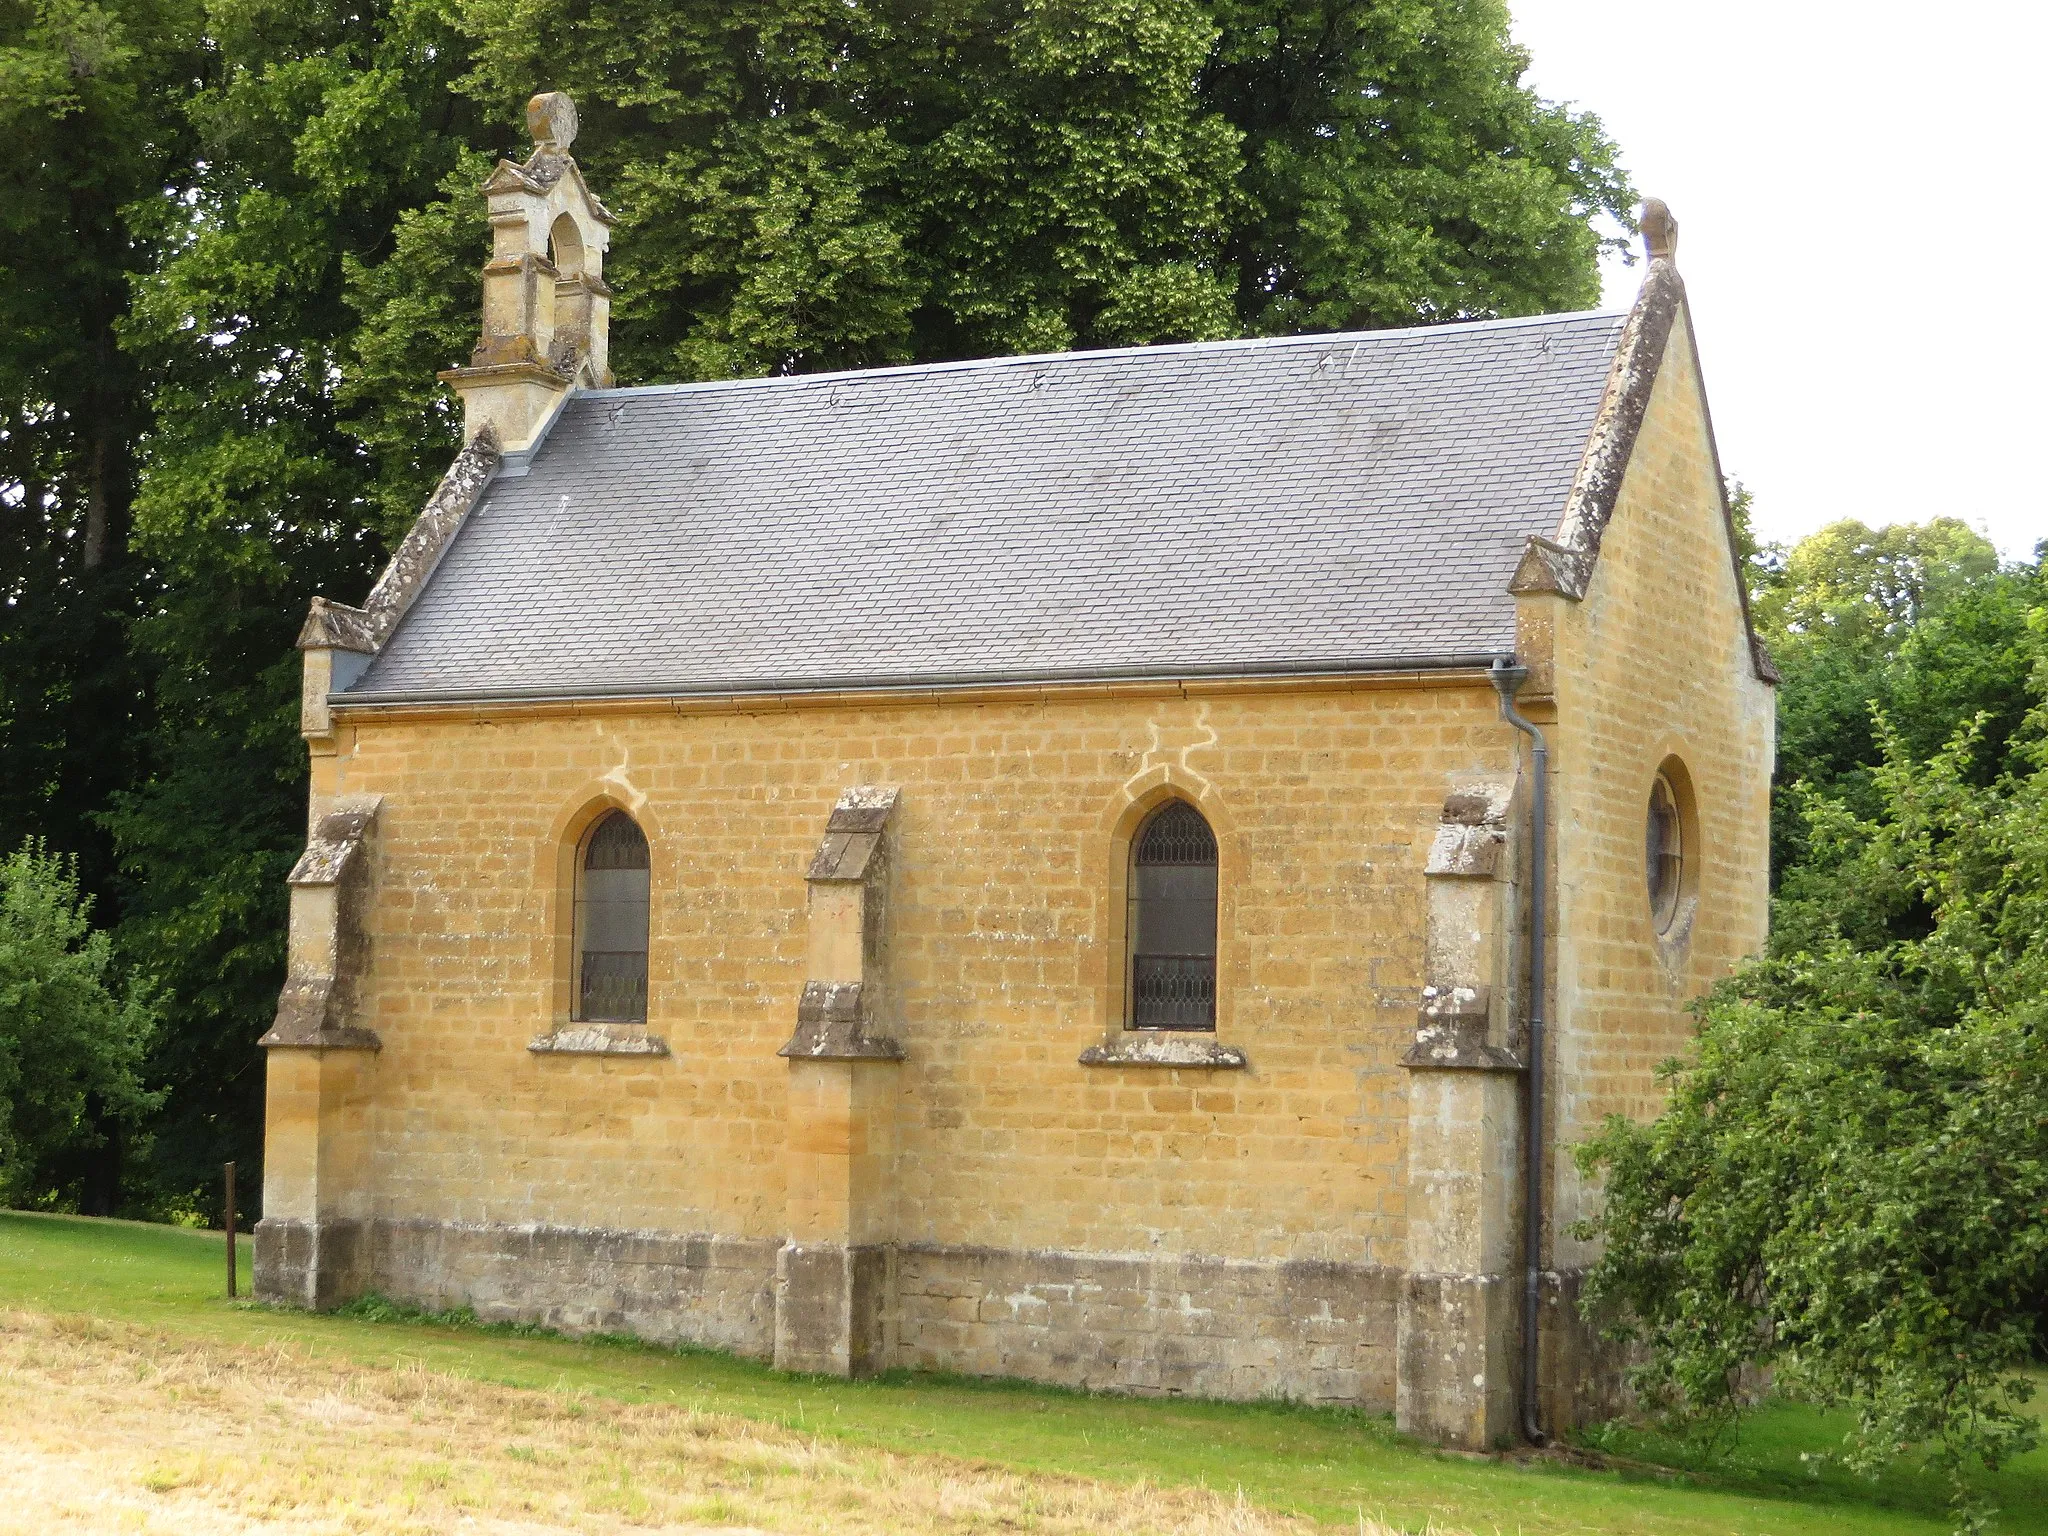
x: 599, y: 1040
x: 1146, y: 1048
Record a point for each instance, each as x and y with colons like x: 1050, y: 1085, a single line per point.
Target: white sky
x: 1859, y: 193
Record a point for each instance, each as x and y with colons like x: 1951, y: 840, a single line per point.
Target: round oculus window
x: 1664, y: 853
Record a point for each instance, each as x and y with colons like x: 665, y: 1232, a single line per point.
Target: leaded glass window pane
x: 1173, y: 922
x: 1663, y: 853
x: 611, y: 923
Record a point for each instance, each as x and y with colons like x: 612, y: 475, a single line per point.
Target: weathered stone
x: 1548, y: 568
x: 928, y: 1176
x: 1471, y: 852
x: 1145, y: 1048
x: 1459, y: 1360
x: 319, y: 1265
x: 546, y: 307
x: 1308, y: 1331
x: 667, y: 1287
x: 599, y: 1040
x: 832, y: 1304
x: 831, y: 1026
x: 332, y: 890
x: 1451, y: 1033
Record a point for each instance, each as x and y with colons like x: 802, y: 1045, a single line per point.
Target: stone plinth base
x: 664, y: 1287
x: 1311, y: 1332
x: 1460, y: 1358
x: 312, y: 1264
x: 832, y: 1313
x: 1203, y: 1327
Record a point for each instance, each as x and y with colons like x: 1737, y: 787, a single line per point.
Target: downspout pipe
x: 1507, y: 681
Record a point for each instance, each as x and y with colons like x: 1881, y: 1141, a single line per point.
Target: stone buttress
x: 320, y: 1074
x: 834, y: 1309
x: 1460, y: 1306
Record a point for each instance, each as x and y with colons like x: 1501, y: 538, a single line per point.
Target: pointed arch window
x: 1172, y: 922
x: 611, y: 922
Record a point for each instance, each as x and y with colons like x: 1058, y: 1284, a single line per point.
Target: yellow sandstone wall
x: 1653, y: 663
x: 1002, y: 916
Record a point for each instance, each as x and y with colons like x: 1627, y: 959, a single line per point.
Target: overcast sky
x: 1859, y: 195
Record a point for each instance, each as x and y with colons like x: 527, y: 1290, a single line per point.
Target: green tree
x: 319, y: 128
x: 1919, y: 620
x: 71, y: 1044
x: 91, y: 104
x: 1864, y: 584
x: 1398, y: 170
x: 1849, y: 1185
x: 1063, y: 182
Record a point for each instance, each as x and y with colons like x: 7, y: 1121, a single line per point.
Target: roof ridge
x: 1092, y: 356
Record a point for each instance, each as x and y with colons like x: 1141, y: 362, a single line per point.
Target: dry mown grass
x: 110, y: 1428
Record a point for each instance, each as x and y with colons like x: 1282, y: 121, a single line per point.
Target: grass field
x: 128, y: 1383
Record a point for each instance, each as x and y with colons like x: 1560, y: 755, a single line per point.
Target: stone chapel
x: 1131, y: 868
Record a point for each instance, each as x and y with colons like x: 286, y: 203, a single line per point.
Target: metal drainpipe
x: 1507, y: 682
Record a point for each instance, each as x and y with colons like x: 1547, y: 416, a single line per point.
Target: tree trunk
x: 102, y: 516
x: 100, y: 1191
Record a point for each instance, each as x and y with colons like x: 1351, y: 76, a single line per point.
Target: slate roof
x: 1309, y: 503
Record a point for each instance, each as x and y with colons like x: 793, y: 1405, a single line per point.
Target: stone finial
x: 1660, y: 230
x: 551, y: 119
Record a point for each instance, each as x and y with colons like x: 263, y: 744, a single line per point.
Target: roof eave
x: 926, y: 683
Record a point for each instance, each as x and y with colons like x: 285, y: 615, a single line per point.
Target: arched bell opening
x: 565, y: 248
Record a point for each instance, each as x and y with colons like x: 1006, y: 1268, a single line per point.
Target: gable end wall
x: 1654, y: 662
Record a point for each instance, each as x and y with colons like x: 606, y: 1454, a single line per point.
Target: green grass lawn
x: 1327, y: 1464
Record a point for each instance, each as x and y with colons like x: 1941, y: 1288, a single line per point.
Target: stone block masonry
x: 666, y: 1287
x: 1240, y: 1231
x: 1000, y: 968
x: 1307, y: 1331
x: 881, y: 1111
x: 1000, y: 974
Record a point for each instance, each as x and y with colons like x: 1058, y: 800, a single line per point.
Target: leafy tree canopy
x: 1918, y: 620
x: 1849, y: 1187
x: 1872, y: 586
x: 71, y: 1044
x: 90, y: 98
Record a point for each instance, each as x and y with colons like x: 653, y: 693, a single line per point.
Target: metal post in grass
x: 229, y: 1223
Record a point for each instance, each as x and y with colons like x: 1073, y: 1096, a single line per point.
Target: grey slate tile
x: 1279, y: 503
